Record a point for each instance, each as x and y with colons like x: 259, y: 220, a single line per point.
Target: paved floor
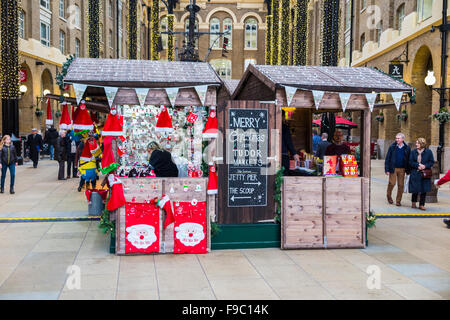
x: 45, y: 260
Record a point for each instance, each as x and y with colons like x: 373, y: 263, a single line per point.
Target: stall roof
x: 335, y: 79
x: 140, y: 73
x: 231, y: 85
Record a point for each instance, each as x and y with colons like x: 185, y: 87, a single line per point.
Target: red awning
x: 340, y: 122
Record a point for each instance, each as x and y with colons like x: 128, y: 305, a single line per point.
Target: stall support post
x: 365, y: 144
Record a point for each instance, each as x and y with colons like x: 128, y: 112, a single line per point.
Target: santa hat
x: 101, y: 192
x: 94, y: 147
x: 82, y: 120
x: 113, y: 125
x: 166, y: 205
x: 49, y: 119
x: 117, y: 198
x: 212, y: 179
x: 164, y: 123
x: 65, y: 122
x: 211, y: 128
x: 86, y: 154
x: 108, y: 161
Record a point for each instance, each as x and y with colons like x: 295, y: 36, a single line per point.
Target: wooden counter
x: 324, y: 212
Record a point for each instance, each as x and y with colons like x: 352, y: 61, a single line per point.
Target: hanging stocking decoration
x: 117, y: 198
x: 190, y: 227
x: 142, y: 227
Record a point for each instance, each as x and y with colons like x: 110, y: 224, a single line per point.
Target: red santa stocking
x: 117, y: 198
x: 166, y: 205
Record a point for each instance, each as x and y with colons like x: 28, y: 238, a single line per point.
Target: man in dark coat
x: 323, y: 145
x: 61, y: 154
x: 50, y: 138
x: 34, y: 143
x: 71, y: 149
x: 396, y: 165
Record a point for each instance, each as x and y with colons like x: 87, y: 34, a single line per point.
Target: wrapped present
x: 329, y: 165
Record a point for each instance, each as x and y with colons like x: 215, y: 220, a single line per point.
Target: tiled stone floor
x: 413, y: 257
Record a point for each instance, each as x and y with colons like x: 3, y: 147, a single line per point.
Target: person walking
x: 71, y: 150
x: 323, y: 145
x: 8, y: 160
x: 50, y: 138
x: 61, y: 153
x: 396, y: 165
x: 34, y: 143
x: 420, y: 161
x: 315, y: 141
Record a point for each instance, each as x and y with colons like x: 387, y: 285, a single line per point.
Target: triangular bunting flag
x: 371, y: 98
x: 141, y: 94
x: 201, y: 91
x: 290, y: 92
x: 172, y: 94
x: 111, y: 94
x: 345, y: 97
x: 317, y: 95
x: 397, y: 96
x: 79, y: 91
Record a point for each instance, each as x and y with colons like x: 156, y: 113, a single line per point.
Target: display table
x: 324, y: 212
x: 140, y: 191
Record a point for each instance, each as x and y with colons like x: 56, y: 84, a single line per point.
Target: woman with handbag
x: 420, y: 161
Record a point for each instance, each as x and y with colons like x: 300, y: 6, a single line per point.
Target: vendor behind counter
x: 337, y: 148
x: 161, y: 161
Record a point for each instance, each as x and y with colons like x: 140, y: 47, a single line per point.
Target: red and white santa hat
x: 93, y: 146
x: 166, y: 205
x: 49, y: 119
x: 83, y: 120
x: 212, y: 179
x: 113, y: 125
x: 164, y: 123
x: 65, y: 122
x: 211, y: 129
x: 86, y: 154
x: 117, y: 198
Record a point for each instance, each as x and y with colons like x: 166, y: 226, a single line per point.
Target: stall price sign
x: 247, y: 146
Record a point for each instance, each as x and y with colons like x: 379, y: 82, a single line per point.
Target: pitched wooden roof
x: 231, y: 85
x: 140, y: 73
x: 335, y: 79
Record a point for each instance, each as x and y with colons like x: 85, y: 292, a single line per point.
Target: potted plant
x: 370, y: 223
x: 442, y: 115
x: 402, y: 116
x: 380, y: 117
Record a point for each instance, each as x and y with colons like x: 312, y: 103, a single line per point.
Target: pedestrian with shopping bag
x: 421, y: 161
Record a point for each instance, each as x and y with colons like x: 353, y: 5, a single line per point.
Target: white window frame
x: 77, y: 47
x: 77, y: 20
x: 401, y: 17
x: 348, y: 14
x: 111, y: 42
x: 248, y: 37
x: 46, y: 4
x: 45, y: 41
x: 249, y: 61
x: 62, y: 9
x: 420, y: 10
x: 164, y: 26
x: 214, y: 26
x: 223, y: 67
x: 110, y: 9
x: 22, y: 24
x: 62, y: 42
x: 228, y: 23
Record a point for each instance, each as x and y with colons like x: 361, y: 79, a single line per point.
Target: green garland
x: 132, y: 29
x: 105, y: 224
x: 300, y: 33
x: 267, y: 58
x: 9, y: 63
x: 277, y: 194
x: 274, y: 44
x: 155, y: 31
x: 60, y: 76
x: 94, y: 28
x: 284, y: 51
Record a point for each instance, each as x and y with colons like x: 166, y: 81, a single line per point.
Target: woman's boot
x: 413, y: 205
x: 11, y: 190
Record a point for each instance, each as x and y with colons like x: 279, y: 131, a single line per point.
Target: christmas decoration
x: 49, y: 120
x: 132, y: 29
x: 212, y: 180
x: 300, y: 30
x: 190, y: 227
x: 285, y: 35
x: 164, y: 123
x: 170, y: 38
x: 330, y: 32
x: 82, y: 119
x: 142, y: 228
x: 101, y: 192
x: 117, y: 198
x: 211, y: 128
x: 9, y: 62
x: 94, y: 28
x: 166, y: 205
x: 65, y: 122
x: 268, y: 51
x: 113, y: 125
x: 155, y: 30
x: 275, y: 32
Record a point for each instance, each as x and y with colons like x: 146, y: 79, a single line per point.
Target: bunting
x: 172, y: 94
x: 290, y: 92
x: 345, y: 97
x: 110, y: 94
x: 397, y: 97
x: 79, y: 91
x: 317, y: 95
x: 201, y: 91
x: 371, y: 98
x: 141, y: 94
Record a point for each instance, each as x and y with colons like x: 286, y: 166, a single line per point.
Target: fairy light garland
x: 284, y: 45
x: 155, y: 32
x: 9, y: 63
x: 267, y: 58
x: 300, y: 33
x: 275, y: 33
x: 170, y: 38
x: 132, y: 29
x: 94, y: 28
x: 330, y: 32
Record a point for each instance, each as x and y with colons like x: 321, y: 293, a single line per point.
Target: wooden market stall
x: 140, y: 85
x: 317, y: 211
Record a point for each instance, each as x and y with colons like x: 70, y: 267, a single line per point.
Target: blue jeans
x: 12, y: 172
x: 52, y: 152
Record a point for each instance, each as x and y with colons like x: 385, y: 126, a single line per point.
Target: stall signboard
x: 247, y: 151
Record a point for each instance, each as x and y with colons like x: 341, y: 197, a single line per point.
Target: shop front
x: 321, y: 203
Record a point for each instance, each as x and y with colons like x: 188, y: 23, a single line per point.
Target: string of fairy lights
x: 267, y: 49
x: 94, y: 28
x: 9, y: 62
x: 284, y: 47
x: 300, y: 30
x: 155, y: 32
x: 330, y: 32
x: 132, y: 29
x: 170, y: 38
x: 275, y: 38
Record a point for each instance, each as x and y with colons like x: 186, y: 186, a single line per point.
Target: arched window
x: 22, y: 24
x: 222, y: 67
x: 164, y: 36
x: 251, y: 33
x: 77, y: 16
x: 214, y: 27
x: 400, y: 17
x: 362, y: 41
x: 228, y: 27
x: 379, y: 31
x: 77, y: 48
x: 186, y: 29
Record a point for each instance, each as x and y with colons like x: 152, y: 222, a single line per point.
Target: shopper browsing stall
x: 161, y: 161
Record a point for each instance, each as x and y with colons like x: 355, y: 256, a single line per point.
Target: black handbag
x: 426, y: 173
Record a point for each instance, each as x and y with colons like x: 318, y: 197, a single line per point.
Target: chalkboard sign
x: 247, y: 152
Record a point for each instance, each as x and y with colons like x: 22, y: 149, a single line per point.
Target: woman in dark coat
x: 161, y: 161
x: 8, y: 160
x: 419, y: 159
x: 61, y: 154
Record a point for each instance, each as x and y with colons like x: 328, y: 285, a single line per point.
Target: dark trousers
x: 35, y: 161
x: 285, y: 163
x: 71, y: 165
x: 12, y: 173
x: 61, y: 170
x: 423, y: 195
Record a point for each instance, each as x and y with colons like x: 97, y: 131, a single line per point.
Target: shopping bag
x: 405, y: 187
